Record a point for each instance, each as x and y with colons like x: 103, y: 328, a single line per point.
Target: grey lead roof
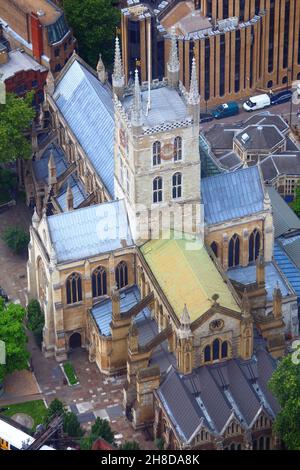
x: 215, y: 393
x: 90, y: 231
x: 231, y: 195
x: 260, y: 137
x: 87, y: 107
x: 285, y: 219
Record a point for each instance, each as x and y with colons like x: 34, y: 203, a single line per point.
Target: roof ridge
x: 117, y: 201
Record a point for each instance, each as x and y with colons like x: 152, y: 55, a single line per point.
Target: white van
x: 257, y: 102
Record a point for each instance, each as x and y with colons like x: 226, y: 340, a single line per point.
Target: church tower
x: 157, y: 161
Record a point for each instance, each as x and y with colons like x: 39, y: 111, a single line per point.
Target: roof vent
x: 260, y: 128
x: 245, y: 138
x: 40, y: 13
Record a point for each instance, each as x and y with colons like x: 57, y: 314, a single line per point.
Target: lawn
x: 70, y: 373
x: 36, y: 409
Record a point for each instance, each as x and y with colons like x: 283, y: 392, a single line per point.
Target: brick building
x: 40, y: 28
x: 240, y: 46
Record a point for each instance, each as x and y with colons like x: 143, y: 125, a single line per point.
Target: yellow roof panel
x: 187, y: 275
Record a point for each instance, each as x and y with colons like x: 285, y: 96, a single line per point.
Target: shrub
x: 16, y: 239
x: 70, y: 373
x: 130, y: 445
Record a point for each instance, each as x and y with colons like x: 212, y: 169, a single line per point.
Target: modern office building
x: 39, y: 27
x: 241, y: 46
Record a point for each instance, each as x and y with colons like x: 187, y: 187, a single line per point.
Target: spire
x: 277, y: 301
x: 193, y: 97
x: 35, y: 219
x: 136, y: 114
x: 118, y: 78
x: 101, y: 72
x: 50, y: 83
x: 173, y: 65
x: 70, y: 198
x: 185, y: 318
x: 246, y: 307
x: 260, y: 269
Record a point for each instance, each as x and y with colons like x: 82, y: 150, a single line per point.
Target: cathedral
x: 158, y: 274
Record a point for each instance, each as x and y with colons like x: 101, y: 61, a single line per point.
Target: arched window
x: 99, y: 282
x: 254, y: 245
x: 121, y: 275
x: 234, y: 251
x: 261, y: 443
x: 176, y: 185
x: 224, y: 349
x: 207, y: 355
x: 177, y: 149
x: 157, y: 189
x: 74, y: 288
x: 216, y: 349
x: 156, y: 156
x: 214, y: 247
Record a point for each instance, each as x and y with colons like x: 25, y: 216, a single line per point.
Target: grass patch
x: 36, y: 409
x: 70, y: 373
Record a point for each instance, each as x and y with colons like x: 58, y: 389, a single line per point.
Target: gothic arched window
x: 254, y: 245
x: 224, y: 352
x: 156, y: 153
x: 214, y: 247
x: 74, y: 288
x: 177, y: 149
x: 234, y: 251
x: 216, y: 349
x: 121, y: 275
x: 207, y: 355
x: 177, y: 185
x: 157, y: 189
x: 99, y: 282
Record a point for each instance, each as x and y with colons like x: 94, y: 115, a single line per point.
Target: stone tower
x: 157, y: 162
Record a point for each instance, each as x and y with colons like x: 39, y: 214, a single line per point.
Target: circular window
x: 216, y: 325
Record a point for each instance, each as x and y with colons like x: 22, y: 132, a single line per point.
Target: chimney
x: 36, y: 36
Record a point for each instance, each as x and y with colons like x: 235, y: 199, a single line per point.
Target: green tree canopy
x: 15, y: 117
x: 101, y: 428
x: 130, y: 445
x: 16, y: 239
x: 12, y: 332
x: 72, y: 426
x: 56, y: 408
x: 94, y: 24
x: 295, y: 205
x: 285, y: 385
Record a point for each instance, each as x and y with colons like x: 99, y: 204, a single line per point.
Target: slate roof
x: 228, y: 196
x: 79, y: 194
x: 285, y: 219
x: 87, y: 106
x: 40, y: 167
x: 267, y: 119
x: 260, y: 137
x: 284, y: 163
x: 247, y: 275
x: 286, y: 265
x: 19, y: 61
x: 90, y: 231
x: 212, y: 394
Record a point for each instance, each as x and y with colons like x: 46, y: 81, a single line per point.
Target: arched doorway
x: 75, y: 341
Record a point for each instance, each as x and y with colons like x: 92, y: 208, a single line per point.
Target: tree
x: 56, y: 408
x: 35, y: 320
x: 15, y: 117
x: 285, y: 385
x: 94, y: 23
x: 295, y: 205
x: 16, y: 239
x: 101, y: 428
x: 87, y: 442
x: 130, y: 445
x: 72, y: 426
x: 12, y: 332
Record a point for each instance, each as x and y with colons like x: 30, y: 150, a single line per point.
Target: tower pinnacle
x: 173, y: 65
x: 136, y: 115
x: 118, y: 78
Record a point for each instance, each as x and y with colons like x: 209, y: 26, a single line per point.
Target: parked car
x: 281, y: 97
x: 3, y: 294
x: 257, y: 102
x: 206, y: 117
x: 226, y: 110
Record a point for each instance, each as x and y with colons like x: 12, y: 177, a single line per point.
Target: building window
x: 254, y: 245
x: 177, y: 149
x: 99, y: 282
x: 57, y: 68
x: 121, y: 275
x: 56, y: 52
x: 224, y: 351
x: 74, y: 288
x: 214, y: 247
x: 157, y: 189
x: 156, y: 156
x: 234, y: 251
x: 216, y: 349
x: 207, y: 355
x: 176, y: 185
x: 34, y: 83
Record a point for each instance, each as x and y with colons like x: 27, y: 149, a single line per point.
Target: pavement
x: 96, y: 395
